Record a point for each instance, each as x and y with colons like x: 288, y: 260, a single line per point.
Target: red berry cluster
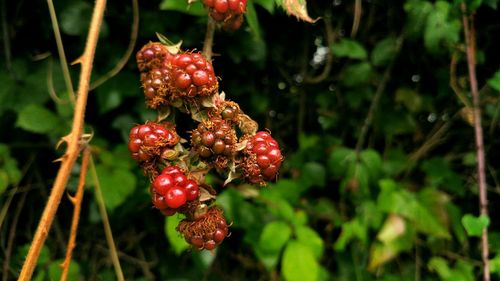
x: 207, y: 232
x: 148, y: 141
x: 225, y: 138
x: 169, y: 78
x: 172, y: 189
x: 228, y: 12
x: 262, y: 158
x: 193, y: 75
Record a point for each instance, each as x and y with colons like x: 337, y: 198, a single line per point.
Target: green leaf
x: 75, y: 18
x: 274, y: 236
x: 350, y: 230
x: 356, y: 74
x: 55, y: 270
x: 349, y: 48
x: 116, y: 185
x: 373, y: 162
x: 4, y: 181
x: 491, y: 3
x: 37, y: 119
x: 394, y: 199
x: 475, y: 225
x: 494, y: 81
x: 417, y: 11
x: 253, y: 21
x: 384, y: 51
x: 339, y: 160
x: 298, y: 263
x: 266, y: 4
x: 313, y: 174
x: 195, y: 9
x: 440, y: 265
x: 441, y: 28
x: 309, y: 237
x: 175, y: 238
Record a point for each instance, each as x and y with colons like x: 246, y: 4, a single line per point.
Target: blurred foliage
x: 398, y: 204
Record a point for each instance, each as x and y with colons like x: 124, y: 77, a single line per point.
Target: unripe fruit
x: 205, y: 232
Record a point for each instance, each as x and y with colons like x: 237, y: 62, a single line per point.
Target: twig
x: 373, y: 107
x: 357, y: 18
x: 123, y: 61
x: 60, y: 50
x: 6, y: 37
x: 12, y: 235
x: 77, y: 203
x: 209, y: 39
x: 453, y: 80
x: 330, y: 39
x: 470, y: 39
x: 105, y: 221
x: 73, y: 149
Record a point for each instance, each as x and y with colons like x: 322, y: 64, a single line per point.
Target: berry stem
x: 60, y: 50
x: 470, y: 42
x: 131, y: 45
x: 77, y: 202
x: 209, y: 39
x: 105, y: 221
x: 73, y: 148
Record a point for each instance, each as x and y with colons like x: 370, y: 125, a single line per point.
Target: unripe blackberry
x: 229, y: 111
x: 157, y: 87
x: 152, y: 55
x: 262, y: 158
x: 206, y: 232
x: 171, y: 190
x: 147, y: 141
x: 228, y: 12
x: 214, y: 140
x: 192, y: 76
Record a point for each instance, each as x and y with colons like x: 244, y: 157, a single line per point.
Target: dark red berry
x: 148, y: 141
x: 162, y: 184
x: 192, y: 190
x: 262, y: 158
x: 175, y: 197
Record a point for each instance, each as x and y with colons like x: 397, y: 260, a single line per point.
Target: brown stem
x: 209, y: 39
x: 470, y: 39
x: 123, y: 61
x: 357, y: 18
x: 60, y: 50
x: 453, y: 80
x: 77, y: 203
x: 105, y: 222
x: 73, y: 149
x: 12, y: 235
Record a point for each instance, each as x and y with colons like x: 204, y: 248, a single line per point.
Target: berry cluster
x: 148, y: 141
x: 262, y: 158
x: 228, y: 12
x: 172, y: 189
x: 225, y: 139
x: 172, y: 78
x: 207, y: 232
x: 214, y: 141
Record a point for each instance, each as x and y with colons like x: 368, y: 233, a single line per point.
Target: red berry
x: 210, y: 245
x: 192, y: 190
x: 180, y: 179
x: 263, y: 158
x: 169, y: 170
x: 149, y: 140
x: 200, y: 77
x: 183, y: 81
x: 219, y: 235
x: 162, y: 184
x: 175, y: 197
x: 221, y: 6
x: 159, y: 201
